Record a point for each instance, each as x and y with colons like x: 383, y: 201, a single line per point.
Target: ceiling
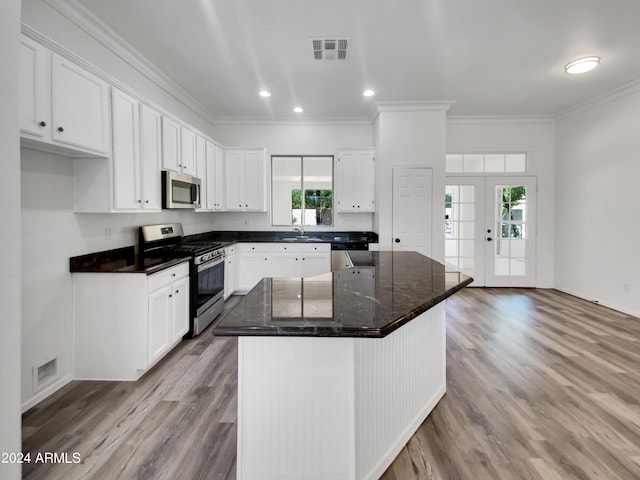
x: 492, y: 57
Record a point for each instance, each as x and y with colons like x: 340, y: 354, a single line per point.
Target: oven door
x: 210, y: 284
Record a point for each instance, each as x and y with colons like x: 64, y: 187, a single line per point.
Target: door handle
x: 489, y: 239
x: 397, y: 240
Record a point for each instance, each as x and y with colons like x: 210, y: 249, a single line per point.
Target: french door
x: 490, y: 229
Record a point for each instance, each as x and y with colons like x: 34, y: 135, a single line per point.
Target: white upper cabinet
x: 35, y: 90
x: 130, y: 180
x: 246, y: 174
x: 188, y: 149
x: 63, y: 106
x: 126, y: 151
x: 216, y: 178
x: 150, y: 157
x: 355, y: 180
x: 201, y: 170
x: 79, y: 107
x: 178, y: 147
x: 171, y: 151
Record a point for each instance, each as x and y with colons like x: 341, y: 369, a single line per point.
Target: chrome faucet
x: 300, y: 231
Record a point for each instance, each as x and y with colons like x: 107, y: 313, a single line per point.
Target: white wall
x: 294, y: 139
x: 10, y: 420
x: 409, y: 136
x: 597, y: 201
x: 536, y: 137
x: 51, y: 232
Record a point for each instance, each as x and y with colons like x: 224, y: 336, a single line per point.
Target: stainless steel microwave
x: 180, y: 190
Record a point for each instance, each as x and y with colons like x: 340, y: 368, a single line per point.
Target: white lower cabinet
x: 254, y: 263
x: 230, y: 271
x: 259, y: 260
x: 125, y: 322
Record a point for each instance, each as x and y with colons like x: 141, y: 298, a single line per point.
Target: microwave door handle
x: 194, y: 193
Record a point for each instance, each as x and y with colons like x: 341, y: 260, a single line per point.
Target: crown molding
x: 78, y: 14
x: 500, y: 119
x: 222, y: 121
x: 414, y: 106
x: 620, y: 92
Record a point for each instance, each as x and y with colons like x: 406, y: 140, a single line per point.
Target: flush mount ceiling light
x: 582, y: 65
x: 298, y: 109
x: 265, y: 93
x: 368, y: 93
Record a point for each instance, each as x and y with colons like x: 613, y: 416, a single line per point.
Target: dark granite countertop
x: 277, y: 236
x: 120, y: 260
x: 125, y: 260
x: 382, y: 292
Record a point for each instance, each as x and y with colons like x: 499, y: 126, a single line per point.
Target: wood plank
x: 541, y: 385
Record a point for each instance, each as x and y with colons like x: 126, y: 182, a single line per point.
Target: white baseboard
x: 588, y: 298
x: 45, y: 392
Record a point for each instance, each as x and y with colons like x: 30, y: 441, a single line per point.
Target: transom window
x: 302, y: 190
x: 486, y: 163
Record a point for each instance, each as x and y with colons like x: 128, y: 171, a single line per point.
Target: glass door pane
x: 510, y: 243
x: 460, y: 216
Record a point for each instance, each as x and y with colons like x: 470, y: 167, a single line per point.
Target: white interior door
x: 490, y: 229
x: 412, y: 204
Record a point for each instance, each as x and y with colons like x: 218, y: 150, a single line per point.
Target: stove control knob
x: 202, y: 259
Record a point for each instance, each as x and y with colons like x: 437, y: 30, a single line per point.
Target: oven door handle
x: 211, y: 264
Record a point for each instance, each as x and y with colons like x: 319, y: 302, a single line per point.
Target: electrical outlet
x: 107, y: 233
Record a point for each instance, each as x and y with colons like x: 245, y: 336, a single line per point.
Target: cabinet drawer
x: 256, y: 247
x: 314, y: 248
x: 165, y: 277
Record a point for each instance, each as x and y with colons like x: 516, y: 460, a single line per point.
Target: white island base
x: 336, y: 407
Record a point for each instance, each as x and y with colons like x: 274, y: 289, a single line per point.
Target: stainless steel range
x: 206, y: 269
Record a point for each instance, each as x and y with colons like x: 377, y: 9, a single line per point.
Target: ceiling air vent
x: 330, y: 48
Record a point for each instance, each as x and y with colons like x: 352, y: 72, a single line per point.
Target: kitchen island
x: 336, y: 372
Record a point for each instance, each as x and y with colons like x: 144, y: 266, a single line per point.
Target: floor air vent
x: 44, y: 374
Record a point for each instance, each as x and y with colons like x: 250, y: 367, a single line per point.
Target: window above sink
x: 302, y: 190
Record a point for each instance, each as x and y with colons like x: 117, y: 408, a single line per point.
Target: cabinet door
x: 160, y: 312
x: 235, y: 181
x: 180, y: 306
x: 255, y: 181
x: 315, y: 264
x: 150, y: 157
x: 187, y: 152
x: 202, y: 172
x: 230, y: 272
x: 126, y: 164
x: 35, y: 91
x: 79, y: 106
x: 346, y: 184
x: 252, y: 267
x: 366, y: 182
x: 286, y: 264
x: 210, y: 177
x: 220, y: 202
x: 170, y: 144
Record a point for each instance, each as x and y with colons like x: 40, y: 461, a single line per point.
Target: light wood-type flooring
x: 540, y: 385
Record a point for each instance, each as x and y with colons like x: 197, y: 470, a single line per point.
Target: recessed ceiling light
x: 582, y: 65
x: 368, y: 93
x: 298, y: 109
x: 265, y: 93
